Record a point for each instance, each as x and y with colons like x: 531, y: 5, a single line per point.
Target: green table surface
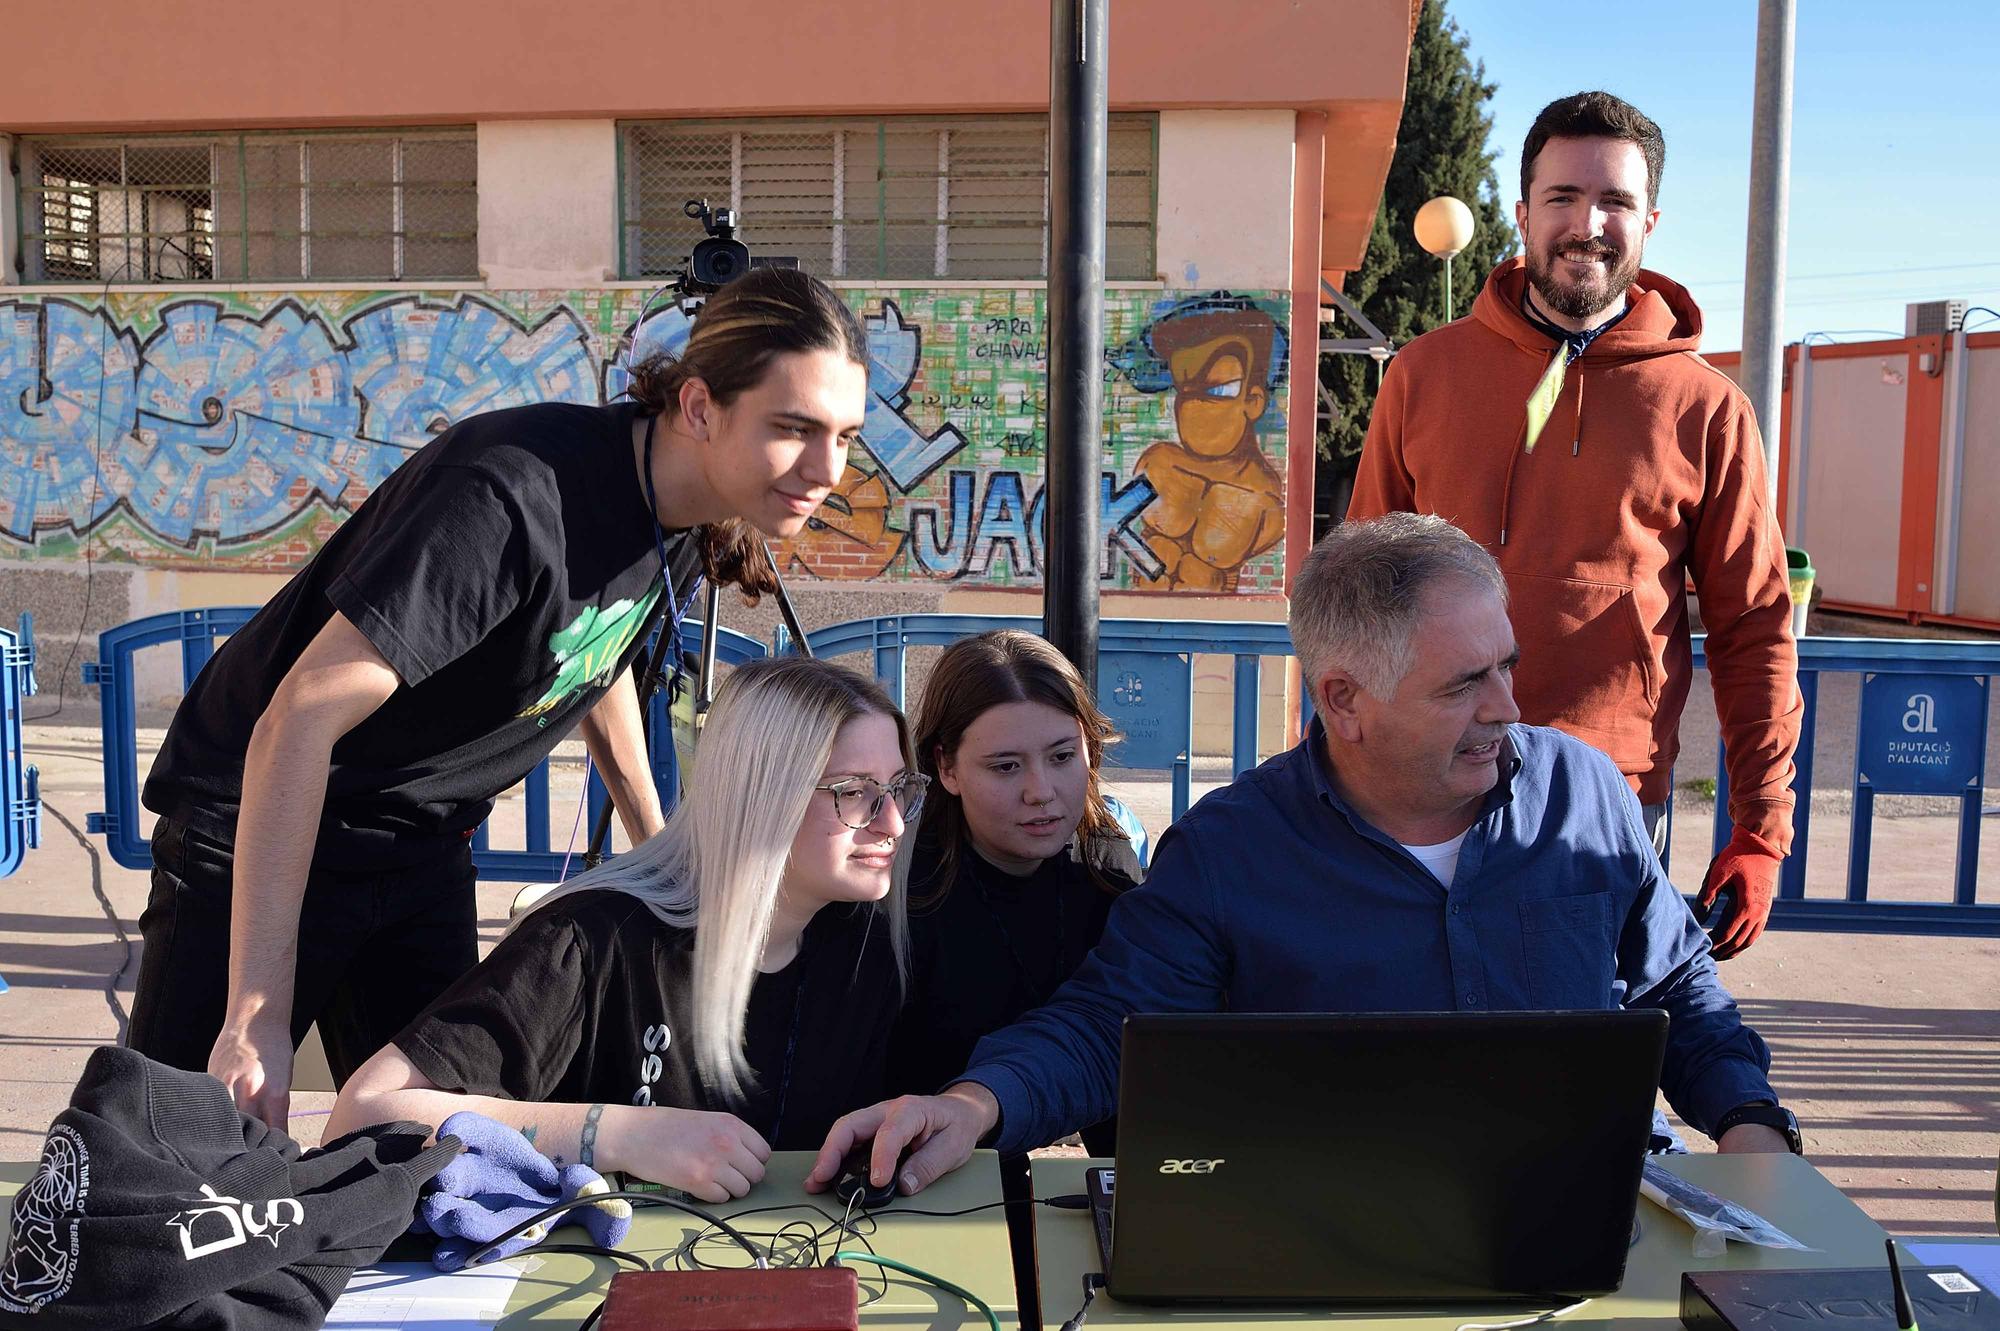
x: 1784, y: 1189
x: 562, y: 1288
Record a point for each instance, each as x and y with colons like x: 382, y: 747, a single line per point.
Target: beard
x: 1577, y: 300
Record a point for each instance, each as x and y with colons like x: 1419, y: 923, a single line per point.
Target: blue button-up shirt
x: 1274, y: 895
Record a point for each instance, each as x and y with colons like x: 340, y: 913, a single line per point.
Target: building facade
x: 252, y: 262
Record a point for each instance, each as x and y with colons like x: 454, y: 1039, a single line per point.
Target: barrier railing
x: 199, y: 631
x: 1145, y: 676
x: 20, y: 794
x: 1922, y: 730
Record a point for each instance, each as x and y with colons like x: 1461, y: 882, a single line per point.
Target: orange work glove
x: 1748, y: 869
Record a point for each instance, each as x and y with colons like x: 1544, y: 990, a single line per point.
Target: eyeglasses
x: 858, y: 800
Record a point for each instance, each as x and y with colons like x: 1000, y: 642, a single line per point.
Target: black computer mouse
x: 853, y: 1186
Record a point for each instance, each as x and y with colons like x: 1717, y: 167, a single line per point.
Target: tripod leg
x: 790, y: 616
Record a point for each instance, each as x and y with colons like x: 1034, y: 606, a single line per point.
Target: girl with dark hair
x: 320, y: 783
x: 1013, y: 869
x: 1018, y: 858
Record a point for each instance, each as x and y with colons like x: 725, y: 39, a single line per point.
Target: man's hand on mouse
x: 943, y: 1129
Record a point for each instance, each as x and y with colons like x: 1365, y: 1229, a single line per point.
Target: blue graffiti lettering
x: 904, y: 453
x: 242, y: 422
x: 227, y: 427
x: 1003, y: 522
x: 965, y: 542
x: 419, y: 368
x: 67, y: 387
x: 943, y: 554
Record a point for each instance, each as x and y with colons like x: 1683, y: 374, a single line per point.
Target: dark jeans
x: 374, y: 949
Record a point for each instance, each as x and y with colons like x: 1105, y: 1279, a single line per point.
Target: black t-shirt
x: 506, y: 572
x: 993, y: 947
x: 587, y: 1002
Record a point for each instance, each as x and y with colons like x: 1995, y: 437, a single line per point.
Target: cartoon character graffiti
x: 849, y: 536
x: 1221, y: 504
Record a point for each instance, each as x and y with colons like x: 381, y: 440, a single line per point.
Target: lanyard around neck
x: 676, y: 608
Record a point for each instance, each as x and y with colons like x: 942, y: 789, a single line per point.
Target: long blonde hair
x: 718, y: 864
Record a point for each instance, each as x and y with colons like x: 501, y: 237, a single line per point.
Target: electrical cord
x: 1068, y: 1201
x: 794, y: 1245
x: 592, y: 1250
x: 638, y: 1199
x: 124, y: 269
x: 846, y: 1255
x: 1092, y: 1282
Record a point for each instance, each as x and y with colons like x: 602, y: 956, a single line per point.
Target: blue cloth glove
x: 501, y: 1180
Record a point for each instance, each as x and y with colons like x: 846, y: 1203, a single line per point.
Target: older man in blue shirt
x: 1420, y: 850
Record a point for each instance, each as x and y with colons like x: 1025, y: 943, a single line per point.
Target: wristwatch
x: 1776, y: 1117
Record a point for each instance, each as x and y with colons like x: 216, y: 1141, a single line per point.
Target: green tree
x: 1441, y: 148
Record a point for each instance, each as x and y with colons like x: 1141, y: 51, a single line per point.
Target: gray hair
x: 1356, y: 602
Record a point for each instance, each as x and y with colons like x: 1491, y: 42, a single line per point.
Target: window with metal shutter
x: 877, y: 200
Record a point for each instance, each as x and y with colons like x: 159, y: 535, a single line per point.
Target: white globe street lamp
x: 1444, y: 227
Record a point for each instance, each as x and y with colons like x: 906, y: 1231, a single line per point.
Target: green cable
x: 908, y: 1270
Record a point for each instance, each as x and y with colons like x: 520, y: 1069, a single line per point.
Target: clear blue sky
x: 1895, y: 142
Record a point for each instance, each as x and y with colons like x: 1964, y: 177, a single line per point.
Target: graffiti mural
x: 235, y: 430
x: 1220, y: 501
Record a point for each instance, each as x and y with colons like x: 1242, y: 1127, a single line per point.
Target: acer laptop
x: 1388, y: 1159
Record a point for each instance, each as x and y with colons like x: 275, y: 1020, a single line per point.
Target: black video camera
x: 722, y: 258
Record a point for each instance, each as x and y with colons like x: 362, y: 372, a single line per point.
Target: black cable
x: 1069, y: 1201
x: 96, y: 484
x: 637, y: 1198
x: 806, y: 1250
x: 1092, y: 1282
x: 593, y: 1250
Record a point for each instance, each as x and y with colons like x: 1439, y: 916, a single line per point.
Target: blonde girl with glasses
x: 725, y: 989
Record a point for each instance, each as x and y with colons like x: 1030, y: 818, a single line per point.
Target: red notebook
x: 822, y: 1298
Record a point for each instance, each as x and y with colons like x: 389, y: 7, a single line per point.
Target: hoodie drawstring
x: 1514, y: 457
x: 1576, y: 443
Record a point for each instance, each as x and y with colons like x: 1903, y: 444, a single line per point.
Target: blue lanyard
x: 676, y: 608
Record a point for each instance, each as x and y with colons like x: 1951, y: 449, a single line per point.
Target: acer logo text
x: 1190, y: 1166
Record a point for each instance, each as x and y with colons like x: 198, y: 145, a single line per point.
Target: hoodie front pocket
x: 1587, y: 663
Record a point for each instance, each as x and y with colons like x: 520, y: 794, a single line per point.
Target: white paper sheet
x: 418, y: 1295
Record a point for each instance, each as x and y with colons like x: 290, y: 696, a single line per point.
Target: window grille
x: 877, y: 200
x: 250, y: 207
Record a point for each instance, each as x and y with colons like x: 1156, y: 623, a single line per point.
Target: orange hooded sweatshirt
x: 1650, y: 470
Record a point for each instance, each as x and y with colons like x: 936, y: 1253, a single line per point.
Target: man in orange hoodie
x: 1570, y: 427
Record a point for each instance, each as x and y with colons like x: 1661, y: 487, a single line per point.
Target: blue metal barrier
x: 1925, y: 712
x: 1945, y: 754
x: 199, y: 631
x: 20, y: 784
x: 1144, y: 672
